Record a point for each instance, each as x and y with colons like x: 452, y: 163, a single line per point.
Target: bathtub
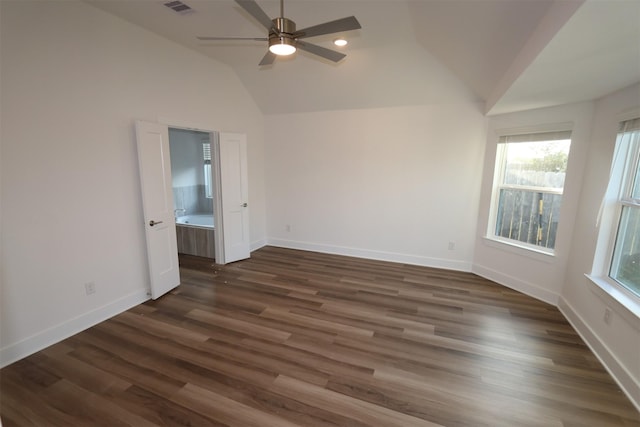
x: 196, y: 235
x: 196, y: 220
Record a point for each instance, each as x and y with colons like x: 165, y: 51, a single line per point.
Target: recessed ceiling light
x: 340, y: 42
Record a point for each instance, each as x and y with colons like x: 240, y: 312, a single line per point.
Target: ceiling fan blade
x: 268, y: 58
x: 256, y: 11
x: 344, y: 24
x: 329, y: 54
x: 258, y: 39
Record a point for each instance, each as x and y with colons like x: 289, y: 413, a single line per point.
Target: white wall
x: 617, y: 344
x: 561, y: 280
x: 538, y: 275
x: 395, y: 184
x: 74, y: 80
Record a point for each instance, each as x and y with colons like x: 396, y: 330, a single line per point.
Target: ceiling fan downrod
x: 282, y: 41
x: 283, y: 25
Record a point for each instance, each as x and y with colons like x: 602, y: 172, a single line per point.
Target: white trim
x: 520, y: 248
x: 532, y: 188
x: 257, y: 244
x: 57, y: 333
x: 607, y: 290
x: 186, y: 125
x: 218, y: 240
x: 629, y: 385
x: 516, y: 284
x: 447, y: 264
x: 541, y: 128
x: 630, y: 114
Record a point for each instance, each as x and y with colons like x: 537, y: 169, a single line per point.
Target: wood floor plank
x: 466, y: 396
x: 24, y: 405
x: 239, y: 325
x: 360, y: 410
x: 296, y: 338
x: 315, y: 323
x: 227, y: 410
x: 159, y: 410
x: 82, y: 374
x: 93, y: 408
x: 313, y: 361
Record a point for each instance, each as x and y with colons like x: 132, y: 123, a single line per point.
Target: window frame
x: 623, y: 184
x: 499, y: 177
x: 607, y: 223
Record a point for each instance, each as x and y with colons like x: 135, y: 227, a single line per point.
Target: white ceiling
x: 596, y: 52
x: 418, y: 52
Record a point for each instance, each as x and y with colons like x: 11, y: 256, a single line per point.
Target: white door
x: 157, y: 202
x: 232, y: 152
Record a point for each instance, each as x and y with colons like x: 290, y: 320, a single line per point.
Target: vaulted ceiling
x: 509, y: 55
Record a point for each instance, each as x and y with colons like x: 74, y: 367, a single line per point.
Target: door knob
x: 152, y: 223
x: 244, y: 205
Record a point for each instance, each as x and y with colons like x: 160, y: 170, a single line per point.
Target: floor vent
x: 178, y: 6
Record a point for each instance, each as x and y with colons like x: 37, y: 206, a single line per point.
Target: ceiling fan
x: 283, y: 37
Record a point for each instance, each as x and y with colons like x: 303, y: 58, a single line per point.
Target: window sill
x: 606, y: 291
x: 530, y: 252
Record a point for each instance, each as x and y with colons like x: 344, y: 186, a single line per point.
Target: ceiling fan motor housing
x: 285, y: 30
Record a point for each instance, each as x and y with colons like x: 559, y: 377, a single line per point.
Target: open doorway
x: 229, y: 190
x: 193, y: 191
x: 211, y: 193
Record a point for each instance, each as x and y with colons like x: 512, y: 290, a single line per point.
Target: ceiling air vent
x: 178, y: 6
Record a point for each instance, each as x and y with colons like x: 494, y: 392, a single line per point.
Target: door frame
x: 214, y: 137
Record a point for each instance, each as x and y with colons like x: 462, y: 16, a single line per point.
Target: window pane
x: 537, y: 164
x: 530, y: 193
x: 208, y: 190
x: 206, y: 155
x: 625, y: 267
x: 528, y: 216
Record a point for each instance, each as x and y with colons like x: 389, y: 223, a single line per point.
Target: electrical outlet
x: 90, y: 288
x: 452, y: 245
x: 607, y: 316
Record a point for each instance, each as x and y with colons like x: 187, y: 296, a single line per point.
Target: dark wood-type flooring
x: 294, y: 338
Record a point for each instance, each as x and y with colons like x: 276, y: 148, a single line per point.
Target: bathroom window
x: 528, y: 186
x: 206, y: 154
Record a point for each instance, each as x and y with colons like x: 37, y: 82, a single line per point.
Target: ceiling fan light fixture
x: 284, y: 39
x: 282, y: 46
x: 340, y: 42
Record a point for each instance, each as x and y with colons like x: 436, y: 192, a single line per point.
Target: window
x: 206, y: 154
x: 625, y: 259
x: 528, y: 185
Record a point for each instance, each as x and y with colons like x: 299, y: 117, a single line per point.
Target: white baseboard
x: 447, y: 264
x: 618, y: 371
x: 54, y: 334
x: 517, y: 284
x: 257, y: 244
